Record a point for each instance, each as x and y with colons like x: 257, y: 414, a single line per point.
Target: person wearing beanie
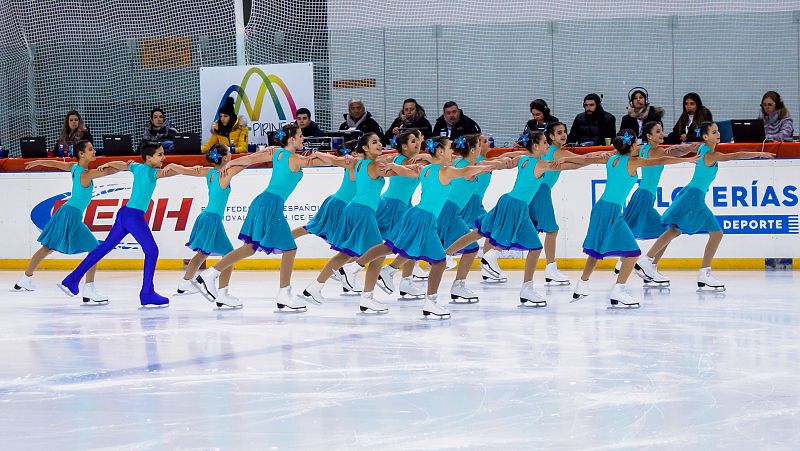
x: 229, y: 128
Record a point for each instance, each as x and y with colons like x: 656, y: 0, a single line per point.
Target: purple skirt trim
x: 600, y: 256
x: 258, y: 247
x: 402, y: 253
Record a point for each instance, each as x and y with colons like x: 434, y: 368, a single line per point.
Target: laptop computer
x: 117, y: 145
x: 748, y: 130
x: 33, y: 147
x: 188, y: 144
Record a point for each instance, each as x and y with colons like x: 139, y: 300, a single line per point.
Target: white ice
x: 686, y: 371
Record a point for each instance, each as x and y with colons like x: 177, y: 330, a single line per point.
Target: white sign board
x: 267, y: 96
x: 755, y: 201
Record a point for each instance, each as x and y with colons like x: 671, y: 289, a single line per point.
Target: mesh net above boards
x: 115, y: 60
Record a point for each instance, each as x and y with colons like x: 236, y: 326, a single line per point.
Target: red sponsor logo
x: 100, y: 213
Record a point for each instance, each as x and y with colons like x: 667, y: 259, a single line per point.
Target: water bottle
x: 3, y: 152
x: 233, y: 147
x: 71, y: 150
x: 60, y: 150
x: 491, y: 141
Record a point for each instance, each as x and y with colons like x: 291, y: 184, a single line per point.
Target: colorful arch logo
x: 267, y: 85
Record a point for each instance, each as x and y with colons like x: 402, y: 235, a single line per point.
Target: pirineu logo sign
x: 268, y: 83
x: 266, y: 96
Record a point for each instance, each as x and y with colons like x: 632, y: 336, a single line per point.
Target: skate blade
x: 90, y: 301
x: 224, y: 306
x: 178, y: 294
x: 384, y: 288
x: 153, y: 307
x: 65, y: 290
x: 619, y: 305
x: 656, y: 286
x: 710, y: 288
x: 578, y: 298
x: 527, y: 303
x: 308, y: 298
x: 430, y: 316
x: 491, y: 281
x: 556, y: 283
x: 19, y: 289
x: 366, y: 311
x: 201, y: 288
x: 464, y: 301
x: 283, y: 308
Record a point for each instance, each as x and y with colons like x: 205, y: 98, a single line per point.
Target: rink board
x: 755, y: 201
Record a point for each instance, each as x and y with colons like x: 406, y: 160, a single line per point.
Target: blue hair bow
x: 280, y: 134
x: 344, y: 150
x: 524, y: 139
x: 627, y: 138
x: 430, y: 146
x: 393, y: 141
x: 461, y: 142
x: 214, y: 155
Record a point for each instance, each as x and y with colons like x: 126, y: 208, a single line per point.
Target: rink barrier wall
x: 759, y: 202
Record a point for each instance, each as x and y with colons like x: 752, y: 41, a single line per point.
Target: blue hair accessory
x: 393, y: 141
x: 627, y: 138
x: 524, y: 139
x: 214, y: 155
x: 344, y: 150
x: 461, y: 142
x: 280, y: 134
x: 430, y: 146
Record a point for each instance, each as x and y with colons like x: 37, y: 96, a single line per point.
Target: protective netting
x: 114, y: 60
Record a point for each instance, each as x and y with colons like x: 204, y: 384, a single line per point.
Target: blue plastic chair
x: 725, y: 131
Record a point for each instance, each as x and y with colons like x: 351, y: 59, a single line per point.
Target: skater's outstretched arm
x: 637, y: 162
x: 448, y: 173
x: 393, y: 169
x: 264, y: 155
x: 225, y: 179
x: 713, y: 157
x: 60, y: 165
x: 680, y: 150
x: 347, y: 161
x: 175, y: 169
x: 102, y: 171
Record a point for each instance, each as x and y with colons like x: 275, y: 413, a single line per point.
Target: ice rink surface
x: 685, y: 371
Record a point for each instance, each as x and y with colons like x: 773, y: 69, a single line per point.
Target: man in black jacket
x: 454, y: 123
x: 357, y: 118
x: 594, y: 125
x: 310, y: 128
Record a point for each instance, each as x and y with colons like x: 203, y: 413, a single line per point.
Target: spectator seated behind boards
x: 453, y: 123
x: 309, y: 127
x: 412, y: 115
x: 594, y: 125
x: 358, y: 118
x: 640, y: 112
x: 158, y: 129
x: 541, y: 117
x: 687, y: 128
x: 228, y: 129
x: 73, y: 131
x: 778, y: 123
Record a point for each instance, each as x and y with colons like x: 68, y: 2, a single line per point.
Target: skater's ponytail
x: 216, y: 154
x: 624, y: 141
x: 530, y: 139
x: 286, y: 132
x: 349, y: 147
x: 705, y: 127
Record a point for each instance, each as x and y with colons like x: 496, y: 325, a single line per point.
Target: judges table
x: 781, y: 150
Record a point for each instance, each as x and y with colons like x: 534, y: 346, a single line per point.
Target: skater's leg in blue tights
x: 117, y: 233
x: 137, y: 227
